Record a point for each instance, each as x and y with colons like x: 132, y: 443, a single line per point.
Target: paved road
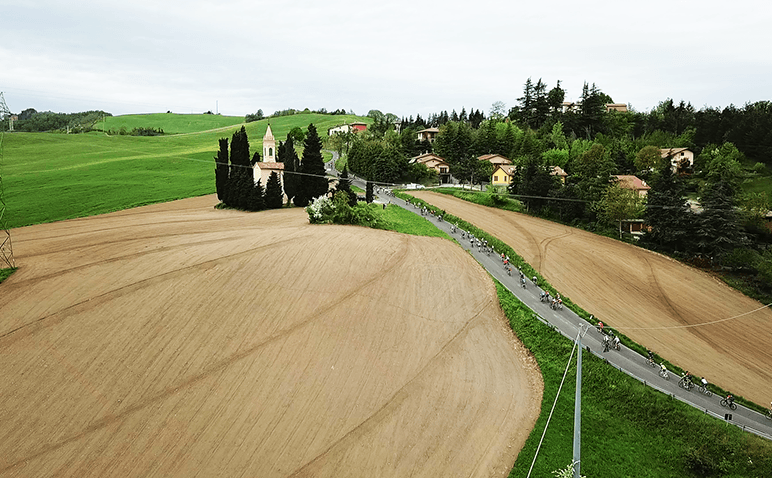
x: 567, y: 323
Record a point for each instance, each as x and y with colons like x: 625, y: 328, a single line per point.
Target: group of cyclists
x: 610, y: 340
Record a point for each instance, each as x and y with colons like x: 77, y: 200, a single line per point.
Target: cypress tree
x: 369, y: 196
x: 240, y: 171
x: 273, y: 193
x: 221, y: 169
x: 255, y: 200
x: 289, y: 157
x: 313, y: 181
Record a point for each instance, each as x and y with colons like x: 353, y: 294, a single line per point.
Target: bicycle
x: 686, y: 383
x: 726, y: 403
x: 704, y: 390
x: 768, y: 415
x: 664, y: 373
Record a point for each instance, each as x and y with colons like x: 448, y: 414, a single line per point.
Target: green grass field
x: 170, y: 123
x: 50, y: 177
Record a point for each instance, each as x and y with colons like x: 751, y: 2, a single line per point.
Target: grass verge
x: 628, y: 429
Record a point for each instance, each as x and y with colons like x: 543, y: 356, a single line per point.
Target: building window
x: 495, y: 179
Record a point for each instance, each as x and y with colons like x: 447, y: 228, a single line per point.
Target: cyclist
x: 651, y: 356
x: 616, y: 342
x: 605, y: 343
x: 704, y: 383
x: 600, y: 326
x: 729, y: 400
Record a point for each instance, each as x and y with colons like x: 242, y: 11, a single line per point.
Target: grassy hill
x: 49, y: 177
x: 170, y: 123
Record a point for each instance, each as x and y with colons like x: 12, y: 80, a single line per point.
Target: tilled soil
x: 179, y: 340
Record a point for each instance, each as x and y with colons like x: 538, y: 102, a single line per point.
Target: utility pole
x: 578, y: 403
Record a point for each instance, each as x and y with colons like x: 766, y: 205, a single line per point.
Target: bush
x: 324, y: 210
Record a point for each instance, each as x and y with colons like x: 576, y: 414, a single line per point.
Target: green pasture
x: 170, y: 123
x: 50, y: 177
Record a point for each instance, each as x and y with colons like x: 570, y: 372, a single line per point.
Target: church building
x: 263, y: 169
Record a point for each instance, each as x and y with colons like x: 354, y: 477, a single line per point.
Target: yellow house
x: 502, y: 175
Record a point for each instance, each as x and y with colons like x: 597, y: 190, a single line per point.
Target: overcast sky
x: 403, y: 57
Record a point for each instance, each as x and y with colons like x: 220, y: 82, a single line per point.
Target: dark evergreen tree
x: 241, y: 173
x: 525, y: 111
x: 289, y: 157
x: 592, y: 111
x: 718, y: 226
x: 667, y: 213
x: 313, y: 181
x: 221, y: 169
x: 273, y: 193
x: 369, y: 193
x: 256, y: 197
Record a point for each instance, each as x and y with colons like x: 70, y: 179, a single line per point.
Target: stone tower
x: 269, y: 146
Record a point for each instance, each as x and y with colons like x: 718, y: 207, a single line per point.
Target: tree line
x: 33, y: 121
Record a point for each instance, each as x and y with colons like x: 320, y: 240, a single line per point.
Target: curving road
x: 542, y: 251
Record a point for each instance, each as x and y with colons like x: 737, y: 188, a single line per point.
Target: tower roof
x: 268, y: 134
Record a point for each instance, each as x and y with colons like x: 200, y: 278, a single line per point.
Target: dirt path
x: 177, y: 340
x: 654, y: 300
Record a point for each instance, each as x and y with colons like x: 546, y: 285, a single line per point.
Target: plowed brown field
x: 177, y: 340
x: 656, y: 301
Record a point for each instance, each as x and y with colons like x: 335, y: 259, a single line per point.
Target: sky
x: 401, y: 57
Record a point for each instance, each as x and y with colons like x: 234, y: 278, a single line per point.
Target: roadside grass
x: 357, y: 189
x: 394, y: 218
x: 50, y: 177
x: 484, y: 198
x: 6, y: 273
x: 628, y: 429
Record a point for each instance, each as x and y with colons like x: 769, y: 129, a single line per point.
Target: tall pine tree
x: 221, y: 169
x: 273, y: 193
x: 313, y: 180
x: 288, y: 156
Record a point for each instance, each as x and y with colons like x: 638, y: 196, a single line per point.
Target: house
x: 347, y: 128
x: 495, y: 159
x: 560, y: 173
x: 502, y: 175
x: 681, y: 159
x: 621, y: 107
x: 262, y: 169
x: 575, y: 107
x: 432, y: 161
x: 628, y: 181
x: 428, y: 134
